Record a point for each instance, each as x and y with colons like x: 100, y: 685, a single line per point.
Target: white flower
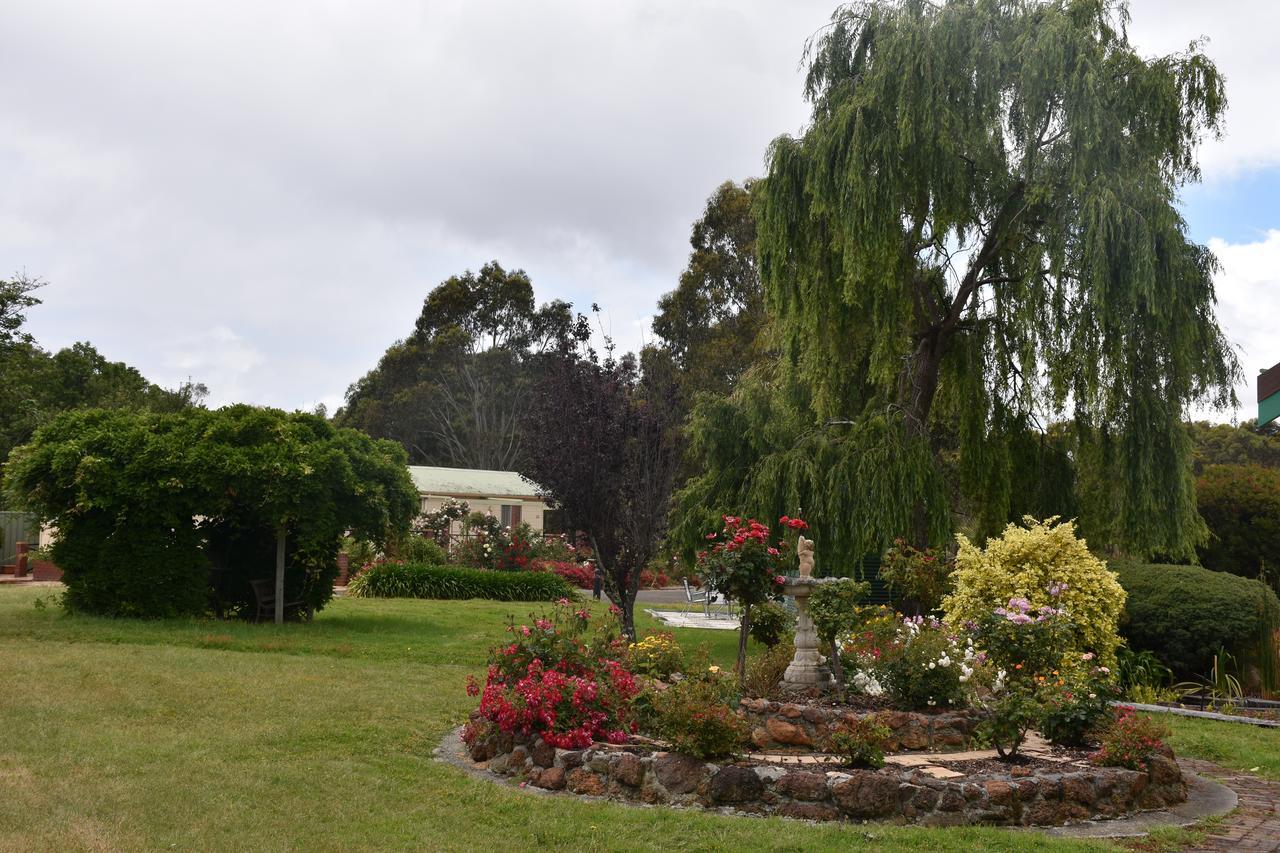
x: 1093, y: 695
x: 932, y: 664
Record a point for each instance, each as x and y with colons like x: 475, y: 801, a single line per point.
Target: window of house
x: 510, y: 515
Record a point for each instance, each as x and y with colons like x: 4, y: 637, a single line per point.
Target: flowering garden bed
x: 569, y: 705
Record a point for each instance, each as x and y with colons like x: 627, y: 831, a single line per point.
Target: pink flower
x: 779, y: 580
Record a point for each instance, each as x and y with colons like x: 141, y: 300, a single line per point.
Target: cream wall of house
x: 531, y: 512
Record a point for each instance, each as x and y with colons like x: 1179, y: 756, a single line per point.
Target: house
x: 506, y: 495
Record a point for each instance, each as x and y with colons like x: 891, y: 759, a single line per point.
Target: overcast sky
x: 259, y: 195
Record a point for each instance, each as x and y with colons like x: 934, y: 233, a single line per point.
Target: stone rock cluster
x: 790, y: 726
x: 1018, y: 796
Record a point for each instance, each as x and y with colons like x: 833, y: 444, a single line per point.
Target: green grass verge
x: 204, y: 735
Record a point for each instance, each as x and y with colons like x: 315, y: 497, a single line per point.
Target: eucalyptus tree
x: 977, y: 233
x: 452, y: 392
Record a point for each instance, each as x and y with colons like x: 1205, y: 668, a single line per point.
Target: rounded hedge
x: 419, y: 580
x: 1185, y: 614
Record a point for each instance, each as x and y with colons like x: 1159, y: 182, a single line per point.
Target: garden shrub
x: 1011, y: 713
x: 1241, y: 506
x: 559, y: 680
x: 420, y: 549
x: 1130, y: 739
x: 657, y: 656
x: 417, y: 580
x: 860, y: 741
x: 1075, y: 703
x: 771, y: 623
x: 921, y: 669
x: 581, y: 575
x: 918, y: 578
x: 1186, y: 614
x: 695, y: 717
x: 1027, y: 562
x: 765, y: 670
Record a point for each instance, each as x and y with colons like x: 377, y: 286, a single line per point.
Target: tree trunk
x: 837, y: 671
x: 743, y: 632
x: 917, y: 386
x: 280, y: 575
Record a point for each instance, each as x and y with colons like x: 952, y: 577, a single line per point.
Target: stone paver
x: 1255, y: 825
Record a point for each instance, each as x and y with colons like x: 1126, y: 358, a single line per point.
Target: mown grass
x: 219, y: 736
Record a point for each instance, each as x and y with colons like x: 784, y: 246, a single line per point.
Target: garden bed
x: 1031, y: 792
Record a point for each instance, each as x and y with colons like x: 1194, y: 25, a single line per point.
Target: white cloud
x: 1241, y: 40
x: 1248, y: 289
x: 300, y: 174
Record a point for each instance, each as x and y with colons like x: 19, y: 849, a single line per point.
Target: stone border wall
x: 789, y: 726
x: 1018, y: 797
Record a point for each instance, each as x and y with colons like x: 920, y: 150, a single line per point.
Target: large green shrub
x: 1185, y: 614
x: 1241, y: 506
x: 419, y: 580
x: 143, y: 502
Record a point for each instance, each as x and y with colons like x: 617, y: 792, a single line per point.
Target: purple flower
x: 1019, y: 604
x: 1018, y: 618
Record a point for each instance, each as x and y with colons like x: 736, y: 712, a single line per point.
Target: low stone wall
x: 1017, y: 797
x: 788, y: 725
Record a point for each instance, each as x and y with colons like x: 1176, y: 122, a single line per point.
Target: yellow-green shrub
x: 1024, y: 562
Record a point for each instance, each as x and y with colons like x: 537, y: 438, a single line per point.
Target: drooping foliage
x: 453, y: 392
x: 146, y: 504
x: 975, y: 236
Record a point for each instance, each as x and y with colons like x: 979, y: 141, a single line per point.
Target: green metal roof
x: 471, y: 481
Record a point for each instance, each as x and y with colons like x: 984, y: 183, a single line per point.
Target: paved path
x: 1255, y: 825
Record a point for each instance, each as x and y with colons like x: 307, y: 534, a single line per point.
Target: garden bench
x: 264, y: 592
x: 704, y: 597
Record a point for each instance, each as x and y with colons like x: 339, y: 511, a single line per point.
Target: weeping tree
x: 976, y: 234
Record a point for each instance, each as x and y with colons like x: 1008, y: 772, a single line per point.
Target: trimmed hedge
x: 419, y: 580
x: 1185, y: 614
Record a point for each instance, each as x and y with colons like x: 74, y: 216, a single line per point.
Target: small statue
x: 804, y: 550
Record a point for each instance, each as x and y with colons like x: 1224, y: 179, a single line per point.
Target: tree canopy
x: 39, y: 384
x: 974, y: 236
x: 710, y: 326
x: 603, y: 442
x: 145, y: 502
x: 452, y: 392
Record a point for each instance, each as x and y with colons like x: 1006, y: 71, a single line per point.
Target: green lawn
x: 206, y: 735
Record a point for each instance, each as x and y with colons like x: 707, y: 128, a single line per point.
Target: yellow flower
x: 713, y: 669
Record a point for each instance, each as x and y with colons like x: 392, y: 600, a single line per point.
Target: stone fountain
x: 808, y: 669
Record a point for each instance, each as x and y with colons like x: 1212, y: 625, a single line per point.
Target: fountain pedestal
x: 807, y: 668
